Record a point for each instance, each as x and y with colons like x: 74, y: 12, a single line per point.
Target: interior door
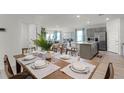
x: 113, y: 29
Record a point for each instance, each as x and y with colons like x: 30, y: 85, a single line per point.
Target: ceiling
x: 71, y: 20
x: 60, y: 21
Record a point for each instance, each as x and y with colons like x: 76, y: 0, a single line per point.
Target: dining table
x: 55, y: 71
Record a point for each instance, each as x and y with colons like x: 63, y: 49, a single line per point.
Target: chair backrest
x: 61, y: 48
x: 33, y: 49
x: 110, y: 72
x: 7, y: 67
x: 25, y: 50
x: 55, y: 47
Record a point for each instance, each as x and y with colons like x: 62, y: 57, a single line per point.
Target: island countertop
x: 85, y: 42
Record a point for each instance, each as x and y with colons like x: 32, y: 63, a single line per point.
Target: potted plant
x: 43, y: 43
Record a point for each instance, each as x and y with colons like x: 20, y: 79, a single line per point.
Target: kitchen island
x: 88, y: 49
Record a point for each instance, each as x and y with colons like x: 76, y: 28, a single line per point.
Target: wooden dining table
x: 57, y: 74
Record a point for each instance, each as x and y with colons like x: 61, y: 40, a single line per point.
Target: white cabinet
x: 123, y: 49
x: 113, y: 36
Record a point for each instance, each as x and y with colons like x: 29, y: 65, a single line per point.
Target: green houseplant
x: 42, y: 42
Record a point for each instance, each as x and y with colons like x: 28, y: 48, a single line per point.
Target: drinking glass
x: 53, y: 59
x: 77, y: 56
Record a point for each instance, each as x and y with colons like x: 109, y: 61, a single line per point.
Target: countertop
x: 88, y: 43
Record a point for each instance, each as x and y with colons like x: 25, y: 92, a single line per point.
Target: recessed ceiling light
x: 78, y: 16
x: 107, y: 19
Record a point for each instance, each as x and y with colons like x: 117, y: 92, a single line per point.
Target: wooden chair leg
x: 18, y: 67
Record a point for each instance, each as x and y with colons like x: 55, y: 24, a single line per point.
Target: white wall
x: 9, y: 40
x: 122, y: 33
x: 15, y: 36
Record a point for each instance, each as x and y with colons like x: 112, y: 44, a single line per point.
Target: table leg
x: 18, y: 67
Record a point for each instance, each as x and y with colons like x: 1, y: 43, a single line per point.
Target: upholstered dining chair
x: 9, y: 71
x: 110, y: 72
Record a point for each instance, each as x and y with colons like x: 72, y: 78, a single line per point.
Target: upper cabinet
x: 99, y: 35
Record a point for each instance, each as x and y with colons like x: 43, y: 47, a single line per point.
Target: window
x: 58, y: 36
x: 55, y: 36
x: 52, y: 36
x: 47, y: 36
x: 79, y: 35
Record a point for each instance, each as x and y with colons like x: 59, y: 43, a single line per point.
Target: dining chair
x: 55, y: 47
x: 25, y: 50
x: 110, y: 72
x: 33, y: 48
x: 61, y: 48
x: 9, y: 71
x: 71, y: 50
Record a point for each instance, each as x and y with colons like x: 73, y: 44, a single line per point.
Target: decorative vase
x: 48, y: 55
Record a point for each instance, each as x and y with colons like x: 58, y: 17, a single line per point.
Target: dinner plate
x: 65, y: 57
x: 40, y: 64
x: 79, y: 66
x: 28, y: 57
x: 80, y: 72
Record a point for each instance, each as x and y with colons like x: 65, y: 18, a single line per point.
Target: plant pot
x: 48, y: 55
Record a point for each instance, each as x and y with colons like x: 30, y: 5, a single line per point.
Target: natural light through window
x: 58, y: 36
x: 47, y: 36
x: 79, y: 36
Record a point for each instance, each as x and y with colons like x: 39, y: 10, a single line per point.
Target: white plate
x: 80, y: 72
x: 39, y: 64
x: 65, y: 57
x: 28, y: 57
x: 79, y: 66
